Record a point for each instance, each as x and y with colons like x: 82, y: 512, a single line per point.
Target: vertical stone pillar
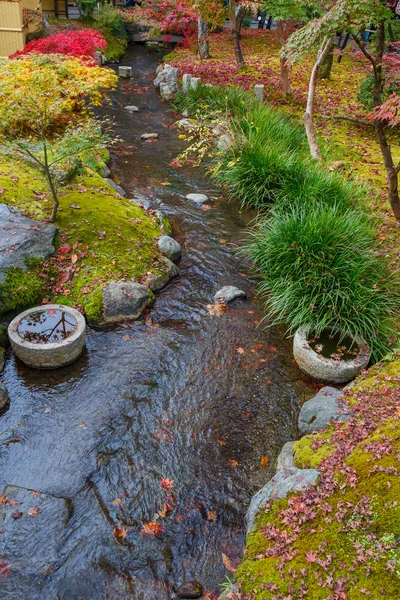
x: 194, y: 82
x: 186, y: 79
x: 259, y: 91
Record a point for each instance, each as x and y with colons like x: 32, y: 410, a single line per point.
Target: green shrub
x: 319, y: 267
x: 366, y: 94
x: 206, y: 100
x: 110, y: 24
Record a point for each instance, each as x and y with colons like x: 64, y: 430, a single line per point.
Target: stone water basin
x: 48, y: 336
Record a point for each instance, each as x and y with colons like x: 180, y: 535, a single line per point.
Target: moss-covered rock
x: 102, y: 237
x: 341, y: 540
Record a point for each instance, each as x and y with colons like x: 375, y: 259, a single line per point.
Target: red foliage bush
x: 80, y: 43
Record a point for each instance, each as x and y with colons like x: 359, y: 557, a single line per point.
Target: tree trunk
x: 308, y: 116
x: 284, y: 74
x: 236, y: 20
x: 50, y: 181
x: 202, y: 37
x: 391, y: 169
x: 326, y: 67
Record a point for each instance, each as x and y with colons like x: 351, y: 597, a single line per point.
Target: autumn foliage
x: 81, y: 43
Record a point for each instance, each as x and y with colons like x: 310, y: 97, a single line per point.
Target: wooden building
x: 17, y: 19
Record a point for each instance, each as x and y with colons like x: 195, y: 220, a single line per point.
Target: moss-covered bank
x: 101, y: 237
x: 340, y: 540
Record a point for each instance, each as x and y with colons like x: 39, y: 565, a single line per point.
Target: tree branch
x: 346, y: 118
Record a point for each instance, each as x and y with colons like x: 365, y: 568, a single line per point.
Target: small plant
x: 319, y: 267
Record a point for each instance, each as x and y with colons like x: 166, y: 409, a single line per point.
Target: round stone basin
x: 49, y: 336
x: 331, y: 358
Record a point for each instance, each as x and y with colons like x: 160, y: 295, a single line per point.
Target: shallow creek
x: 186, y: 395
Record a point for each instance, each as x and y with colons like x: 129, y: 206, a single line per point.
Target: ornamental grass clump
x: 319, y: 267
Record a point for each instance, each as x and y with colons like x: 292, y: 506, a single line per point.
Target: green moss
x: 307, y: 458
x: 20, y: 289
x: 110, y: 237
x: 339, y: 534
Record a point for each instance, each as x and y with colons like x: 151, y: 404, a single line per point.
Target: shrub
x: 110, y: 24
x: 232, y: 101
x: 81, y: 43
x: 319, y: 267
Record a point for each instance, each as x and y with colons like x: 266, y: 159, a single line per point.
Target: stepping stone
x: 229, y: 293
x: 197, y: 198
x: 149, y: 136
x: 170, y: 247
x: 125, y: 301
x: 132, y: 108
x: 125, y: 72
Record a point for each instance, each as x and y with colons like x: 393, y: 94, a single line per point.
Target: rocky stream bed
x: 190, y: 394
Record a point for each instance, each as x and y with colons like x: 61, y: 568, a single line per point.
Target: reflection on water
x: 46, y: 326
x: 194, y: 398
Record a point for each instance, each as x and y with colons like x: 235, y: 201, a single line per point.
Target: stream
x: 183, y: 395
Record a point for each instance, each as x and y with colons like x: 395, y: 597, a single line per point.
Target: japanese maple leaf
x: 311, y: 557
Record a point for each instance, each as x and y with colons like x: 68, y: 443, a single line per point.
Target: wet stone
x: 157, y: 282
x: 124, y: 301
x: 191, y: 589
x: 22, y: 238
x: 315, y: 414
x: 197, y: 198
x: 4, y: 398
x: 149, y: 136
x: 115, y: 186
x: 125, y: 72
x: 170, y: 247
x: 132, y: 108
x: 26, y: 514
x: 285, y: 458
x: 229, y: 293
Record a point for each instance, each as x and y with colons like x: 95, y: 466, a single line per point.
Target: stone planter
x: 329, y: 370
x: 48, y: 336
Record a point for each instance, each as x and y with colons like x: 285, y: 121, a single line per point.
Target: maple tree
x: 42, y: 101
x: 353, y: 16
x: 81, y: 43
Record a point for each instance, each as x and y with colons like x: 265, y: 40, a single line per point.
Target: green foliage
x: 365, y: 95
x: 112, y: 26
x: 319, y: 268
x: 21, y: 288
x: 206, y: 100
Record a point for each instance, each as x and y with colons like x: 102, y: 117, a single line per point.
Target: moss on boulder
x: 341, y: 539
x: 102, y: 237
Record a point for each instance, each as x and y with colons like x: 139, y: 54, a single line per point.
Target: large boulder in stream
x: 190, y: 590
x: 168, y: 75
x: 125, y: 301
x: 326, y: 406
x: 21, y: 239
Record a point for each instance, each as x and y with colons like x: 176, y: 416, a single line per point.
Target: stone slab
x: 316, y: 413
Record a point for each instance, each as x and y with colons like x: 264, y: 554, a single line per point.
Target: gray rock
x: 229, y: 293
x: 149, y: 136
x: 185, y: 114
x: 186, y: 124
x: 224, y: 142
x: 2, y: 362
x: 195, y: 82
x: 125, y: 72
x: 4, y: 398
x: 186, y: 79
x: 259, y: 91
x: 315, y: 414
x: 170, y: 247
x: 157, y: 282
x: 190, y: 590
x: 284, y: 482
x: 166, y: 92
x: 164, y: 223
x: 105, y: 171
x: 125, y: 301
x: 131, y: 108
x: 22, y: 238
x: 197, y: 198
x: 115, y: 186
x: 168, y: 75
x: 141, y: 201
x: 24, y: 519
x: 285, y: 458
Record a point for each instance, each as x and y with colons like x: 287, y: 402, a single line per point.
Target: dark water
x: 46, y: 326
x: 333, y: 345
x: 184, y: 395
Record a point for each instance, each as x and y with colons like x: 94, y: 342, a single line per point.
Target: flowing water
x: 184, y: 395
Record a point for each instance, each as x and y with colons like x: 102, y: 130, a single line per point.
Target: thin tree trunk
x: 391, y: 169
x: 50, y: 182
x: 284, y: 75
x: 326, y: 67
x: 236, y: 20
x: 203, y: 42
x: 308, y: 116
